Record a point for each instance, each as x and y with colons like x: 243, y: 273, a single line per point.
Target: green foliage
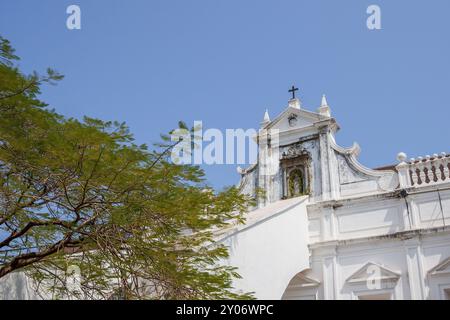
x: 83, y: 193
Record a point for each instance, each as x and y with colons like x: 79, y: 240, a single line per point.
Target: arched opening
x: 302, y: 287
x: 296, y: 183
x: 296, y: 173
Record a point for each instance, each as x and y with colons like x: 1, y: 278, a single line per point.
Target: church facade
x: 326, y: 227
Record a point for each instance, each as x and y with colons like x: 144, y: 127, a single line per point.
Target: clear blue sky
x: 152, y: 63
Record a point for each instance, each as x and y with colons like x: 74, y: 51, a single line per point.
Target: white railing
x: 423, y: 171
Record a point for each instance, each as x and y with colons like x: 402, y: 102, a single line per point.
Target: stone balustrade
x: 419, y: 172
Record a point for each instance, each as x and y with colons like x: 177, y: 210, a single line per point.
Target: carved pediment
x: 292, y: 118
x: 442, y: 268
x: 373, y: 271
x: 295, y: 150
x: 302, y: 281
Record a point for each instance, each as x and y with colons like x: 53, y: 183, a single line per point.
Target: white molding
x: 442, y: 268
x: 360, y: 293
x: 397, y: 236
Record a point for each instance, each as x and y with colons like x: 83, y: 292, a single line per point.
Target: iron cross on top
x: 293, y: 89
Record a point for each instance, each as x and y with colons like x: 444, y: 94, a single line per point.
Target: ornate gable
x: 293, y: 118
x: 375, y: 271
x: 294, y: 151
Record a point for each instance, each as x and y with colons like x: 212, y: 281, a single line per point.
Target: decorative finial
x: 266, y: 119
x: 324, y: 109
x: 401, y: 157
x: 324, y: 101
x: 266, y: 116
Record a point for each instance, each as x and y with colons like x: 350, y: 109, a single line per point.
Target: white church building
x: 328, y: 228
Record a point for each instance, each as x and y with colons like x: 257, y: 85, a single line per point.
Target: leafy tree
x: 82, y: 193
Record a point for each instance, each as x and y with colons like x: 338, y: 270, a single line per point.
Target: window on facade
x: 296, y: 183
x: 447, y: 294
x: 379, y: 296
x: 299, y: 297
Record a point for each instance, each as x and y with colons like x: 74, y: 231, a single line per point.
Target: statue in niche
x: 296, y: 171
x: 296, y: 183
